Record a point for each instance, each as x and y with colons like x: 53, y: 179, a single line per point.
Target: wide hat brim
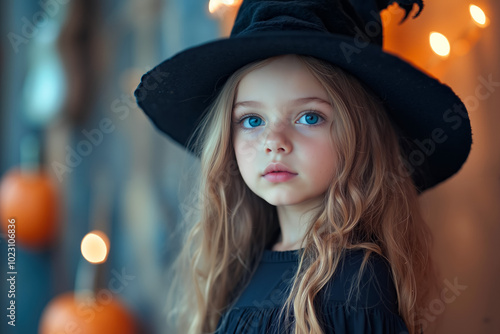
x: 431, y: 120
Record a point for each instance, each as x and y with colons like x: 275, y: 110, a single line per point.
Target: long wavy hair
x: 372, y: 204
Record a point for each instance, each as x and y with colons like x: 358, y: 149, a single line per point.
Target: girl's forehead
x: 283, y: 78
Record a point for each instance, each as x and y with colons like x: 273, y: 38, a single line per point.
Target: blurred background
x: 77, y: 155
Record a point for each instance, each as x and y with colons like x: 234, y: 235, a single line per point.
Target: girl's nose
x: 276, y: 140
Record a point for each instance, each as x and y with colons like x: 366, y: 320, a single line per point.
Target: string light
x: 439, y: 44
x: 95, y: 247
x: 478, y: 16
x: 442, y: 47
x: 216, y: 5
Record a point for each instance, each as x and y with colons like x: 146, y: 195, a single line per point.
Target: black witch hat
x: 432, y: 121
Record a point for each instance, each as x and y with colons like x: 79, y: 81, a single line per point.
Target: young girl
x: 311, y: 163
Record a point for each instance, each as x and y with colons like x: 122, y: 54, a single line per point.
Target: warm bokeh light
x: 439, y: 44
x: 215, y: 5
x: 95, y: 246
x: 478, y: 15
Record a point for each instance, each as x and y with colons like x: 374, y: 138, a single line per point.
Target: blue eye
x: 310, y: 119
x: 251, y: 122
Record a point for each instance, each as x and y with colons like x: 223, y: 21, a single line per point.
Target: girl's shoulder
x: 365, y: 287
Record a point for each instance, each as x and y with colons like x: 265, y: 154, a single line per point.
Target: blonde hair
x: 370, y: 205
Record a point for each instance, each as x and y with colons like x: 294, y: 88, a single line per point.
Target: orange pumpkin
x: 71, y: 313
x: 30, y: 198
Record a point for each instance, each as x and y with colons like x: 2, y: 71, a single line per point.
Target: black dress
x: 257, y: 310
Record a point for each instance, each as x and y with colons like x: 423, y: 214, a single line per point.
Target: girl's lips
x: 277, y: 167
x: 276, y: 177
x: 278, y: 172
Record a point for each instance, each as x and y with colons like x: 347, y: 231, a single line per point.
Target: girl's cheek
x: 321, y: 131
x: 250, y: 137
x: 245, y: 150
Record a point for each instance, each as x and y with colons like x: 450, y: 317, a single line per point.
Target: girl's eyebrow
x: 300, y: 101
x: 305, y: 100
x: 252, y: 104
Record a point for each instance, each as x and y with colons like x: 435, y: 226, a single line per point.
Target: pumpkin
x: 29, y: 201
x: 86, y: 314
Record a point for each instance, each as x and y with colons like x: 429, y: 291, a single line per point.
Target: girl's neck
x: 279, y: 247
x: 293, y: 221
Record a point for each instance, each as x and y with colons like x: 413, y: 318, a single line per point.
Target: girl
x: 311, y: 164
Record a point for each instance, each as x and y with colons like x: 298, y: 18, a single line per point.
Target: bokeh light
x: 95, y: 246
x: 478, y: 15
x: 439, y: 44
x: 215, y: 5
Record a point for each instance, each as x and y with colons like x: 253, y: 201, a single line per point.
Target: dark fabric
x: 374, y: 310
x: 296, y: 15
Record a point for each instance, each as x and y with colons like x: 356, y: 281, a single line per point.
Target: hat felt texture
x: 431, y: 121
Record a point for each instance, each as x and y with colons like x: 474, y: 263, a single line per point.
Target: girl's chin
x: 288, y: 201
x: 282, y: 202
